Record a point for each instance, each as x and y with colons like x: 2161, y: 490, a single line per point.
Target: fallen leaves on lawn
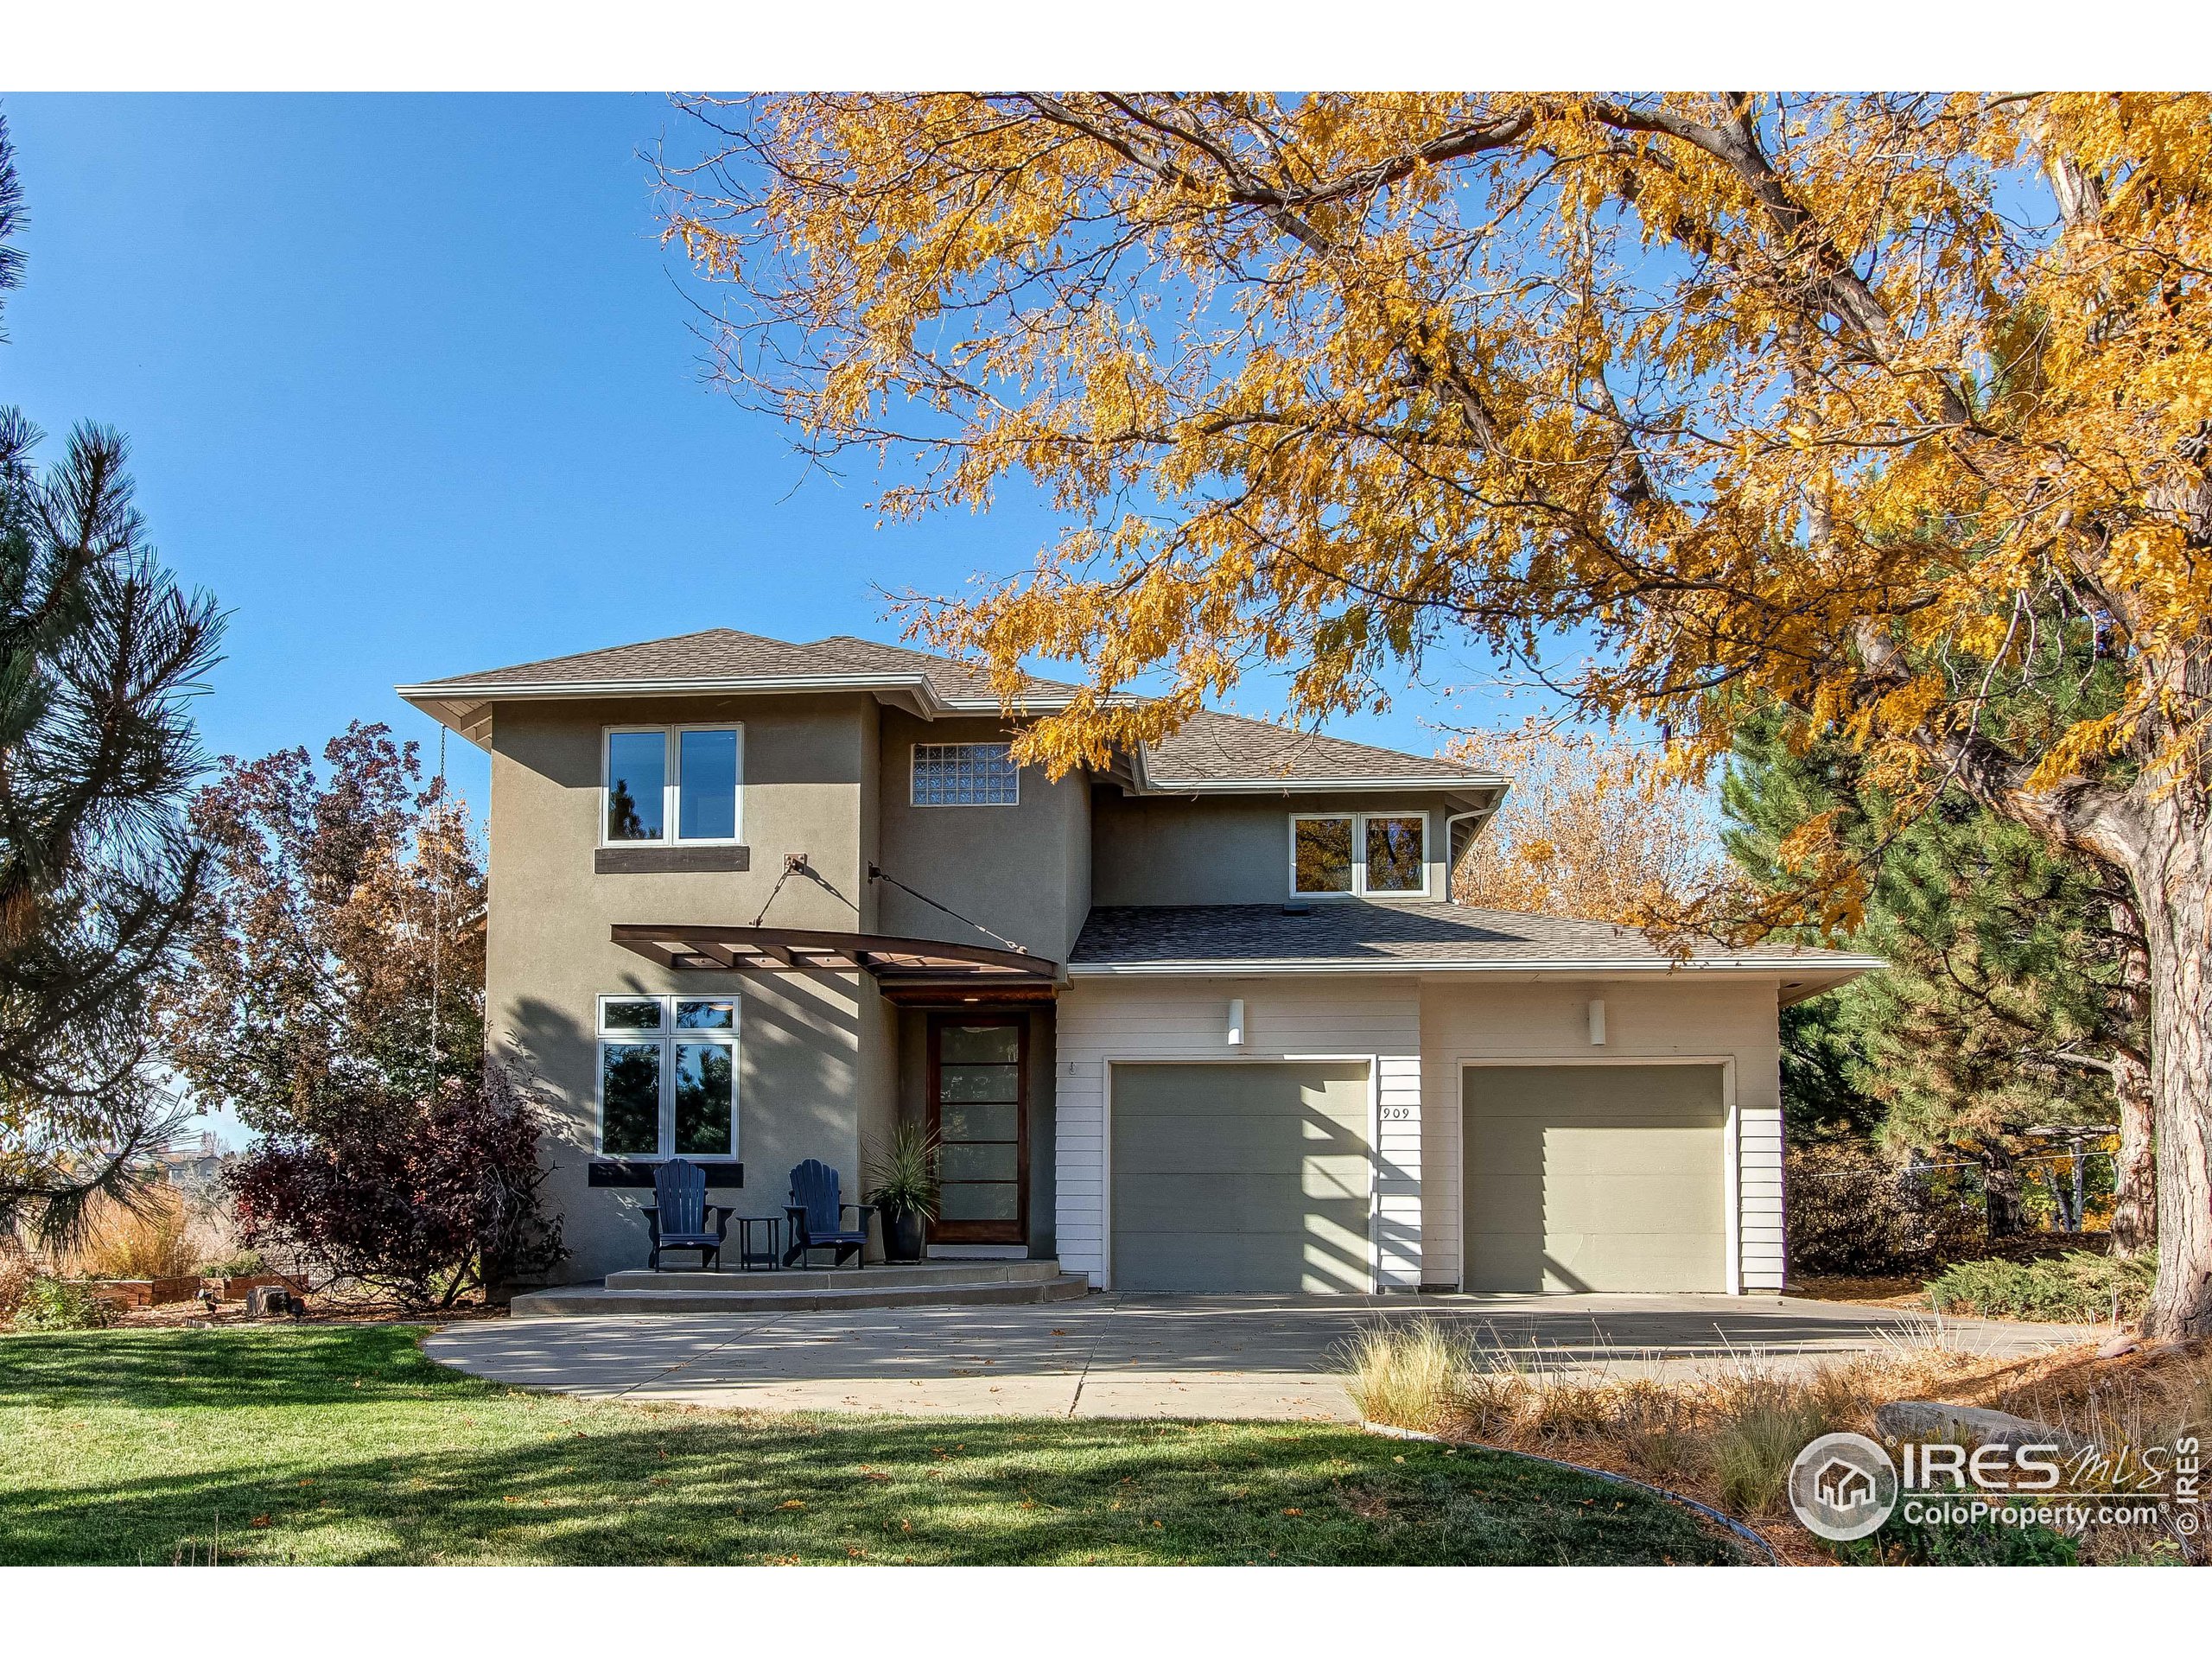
x: 258, y: 1521
x: 792, y: 1504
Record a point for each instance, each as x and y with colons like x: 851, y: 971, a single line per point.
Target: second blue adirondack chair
x: 817, y: 1219
x: 681, y: 1218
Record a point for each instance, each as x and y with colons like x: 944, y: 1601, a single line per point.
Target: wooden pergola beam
x: 770, y: 948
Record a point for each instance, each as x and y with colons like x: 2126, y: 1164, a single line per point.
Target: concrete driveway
x: 1112, y: 1356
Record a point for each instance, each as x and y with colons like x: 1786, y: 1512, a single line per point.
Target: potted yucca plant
x: 903, y: 1176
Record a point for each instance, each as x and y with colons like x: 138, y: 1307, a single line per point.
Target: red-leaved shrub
x: 423, y: 1204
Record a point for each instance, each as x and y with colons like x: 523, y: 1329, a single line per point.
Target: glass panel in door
x: 978, y: 1107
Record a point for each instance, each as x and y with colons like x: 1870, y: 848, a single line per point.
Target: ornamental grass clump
x: 154, y: 1237
x: 1756, y: 1436
x: 1410, y: 1376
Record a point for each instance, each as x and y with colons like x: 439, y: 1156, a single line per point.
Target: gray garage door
x: 1240, y: 1176
x: 1595, y: 1178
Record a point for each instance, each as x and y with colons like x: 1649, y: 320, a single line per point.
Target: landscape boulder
x: 1939, y: 1420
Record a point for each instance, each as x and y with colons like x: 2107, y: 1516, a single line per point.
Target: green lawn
x: 343, y: 1443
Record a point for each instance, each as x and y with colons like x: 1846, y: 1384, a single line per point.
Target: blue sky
x: 411, y: 386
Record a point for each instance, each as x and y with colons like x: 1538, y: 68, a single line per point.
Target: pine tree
x: 2010, y: 1002
x: 98, y: 653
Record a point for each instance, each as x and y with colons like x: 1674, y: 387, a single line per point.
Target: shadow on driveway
x: 1228, y: 1357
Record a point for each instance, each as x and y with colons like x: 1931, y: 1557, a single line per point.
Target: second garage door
x: 1595, y: 1178
x: 1241, y: 1177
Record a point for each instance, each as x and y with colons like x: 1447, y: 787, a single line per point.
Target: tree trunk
x: 2135, y: 1187
x: 2173, y: 891
x: 2000, y: 1190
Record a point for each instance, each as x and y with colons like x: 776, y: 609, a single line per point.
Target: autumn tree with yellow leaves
x: 1586, y: 830
x: 1884, y: 411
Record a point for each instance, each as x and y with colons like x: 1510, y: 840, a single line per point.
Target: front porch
x: 958, y: 1039
x: 802, y: 1290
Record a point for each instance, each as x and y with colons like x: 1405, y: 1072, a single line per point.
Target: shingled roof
x: 1212, y: 751
x: 1350, y: 935
x: 714, y: 656
x: 1214, y: 747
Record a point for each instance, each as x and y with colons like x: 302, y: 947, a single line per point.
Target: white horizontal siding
x: 1730, y: 1020
x: 1377, y: 1020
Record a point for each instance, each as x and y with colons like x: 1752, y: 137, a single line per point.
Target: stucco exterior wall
x: 1022, y: 870
x: 815, y: 1061
x: 1679, y: 1016
x: 1336, y: 1017
x: 1159, y: 850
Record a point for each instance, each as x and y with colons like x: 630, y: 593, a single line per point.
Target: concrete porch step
x: 877, y: 1277
x: 951, y: 1284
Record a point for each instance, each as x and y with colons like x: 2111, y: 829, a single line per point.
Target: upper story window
x: 1360, y: 854
x: 966, y: 774
x: 671, y: 783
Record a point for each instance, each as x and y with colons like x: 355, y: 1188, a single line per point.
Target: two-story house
x: 1206, y: 1022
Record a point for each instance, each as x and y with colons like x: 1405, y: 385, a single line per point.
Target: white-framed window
x: 667, y: 1077
x: 671, y: 783
x: 1359, y: 855
x: 966, y: 774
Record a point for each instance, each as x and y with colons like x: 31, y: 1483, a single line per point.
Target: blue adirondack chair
x: 680, y: 1216
x: 817, y: 1219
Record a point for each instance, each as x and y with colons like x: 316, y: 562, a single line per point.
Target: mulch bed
x: 322, y: 1310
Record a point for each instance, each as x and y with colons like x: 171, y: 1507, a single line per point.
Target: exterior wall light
x: 1237, y: 1022
x: 1598, y: 1021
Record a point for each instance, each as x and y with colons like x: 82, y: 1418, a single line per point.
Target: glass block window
x: 965, y: 774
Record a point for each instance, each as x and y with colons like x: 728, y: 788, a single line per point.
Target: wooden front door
x: 979, y: 1107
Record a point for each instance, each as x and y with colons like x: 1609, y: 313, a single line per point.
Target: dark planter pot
x: 905, y: 1233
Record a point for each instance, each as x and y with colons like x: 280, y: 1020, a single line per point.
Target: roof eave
x: 1832, y: 971
x: 466, y: 710
x: 1277, y: 785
